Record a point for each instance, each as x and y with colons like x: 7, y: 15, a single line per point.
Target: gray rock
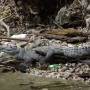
x: 62, y: 17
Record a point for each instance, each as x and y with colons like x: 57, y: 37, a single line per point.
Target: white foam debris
x: 19, y: 36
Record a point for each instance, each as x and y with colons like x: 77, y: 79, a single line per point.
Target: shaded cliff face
x: 43, y: 8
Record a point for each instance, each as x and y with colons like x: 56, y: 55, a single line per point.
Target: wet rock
x: 8, y: 69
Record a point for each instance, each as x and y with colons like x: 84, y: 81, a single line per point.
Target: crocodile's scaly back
x: 70, y: 50
x: 76, y: 51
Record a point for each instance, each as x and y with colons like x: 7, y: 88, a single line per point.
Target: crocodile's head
x: 18, y: 53
x: 10, y: 49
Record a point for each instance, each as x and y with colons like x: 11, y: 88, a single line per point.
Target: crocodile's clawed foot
x: 23, y: 67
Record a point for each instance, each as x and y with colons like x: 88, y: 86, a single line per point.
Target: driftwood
x: 2, y: 23
x: 62, y: 38
x: 67, y: 39
x: 50, y: 36
x: 57, y: 37
x: 77, y: 39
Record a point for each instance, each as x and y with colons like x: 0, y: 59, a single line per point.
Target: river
x: 19, y: 81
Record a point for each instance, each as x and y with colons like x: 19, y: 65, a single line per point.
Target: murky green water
x: 18, y: 81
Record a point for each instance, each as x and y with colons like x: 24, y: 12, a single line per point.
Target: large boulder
x: 71, y: 16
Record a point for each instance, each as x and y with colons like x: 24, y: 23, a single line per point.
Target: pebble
x: 66, y: 72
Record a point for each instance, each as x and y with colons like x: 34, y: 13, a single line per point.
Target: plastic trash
x: 54, y: 67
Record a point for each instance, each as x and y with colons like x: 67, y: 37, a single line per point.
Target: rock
x: 84, y: 75
x: 62, y: 17
x: 88, y: 23
x: 71, y: 16
x: 88, y: 9
x: 84, y: 3
x: 8, y: 69
x: 1, y: 54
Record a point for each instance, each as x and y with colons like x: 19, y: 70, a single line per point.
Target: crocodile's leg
x: 26, y: 65
x: 47, y: 58
x: 23, y: 67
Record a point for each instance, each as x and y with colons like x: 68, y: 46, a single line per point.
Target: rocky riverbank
x: 77, y: 71
x: 67, y: 71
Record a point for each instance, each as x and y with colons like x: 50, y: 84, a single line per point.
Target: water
x: 19, y: 81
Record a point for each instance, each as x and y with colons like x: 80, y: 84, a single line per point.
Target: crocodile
x: 49, y: 54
